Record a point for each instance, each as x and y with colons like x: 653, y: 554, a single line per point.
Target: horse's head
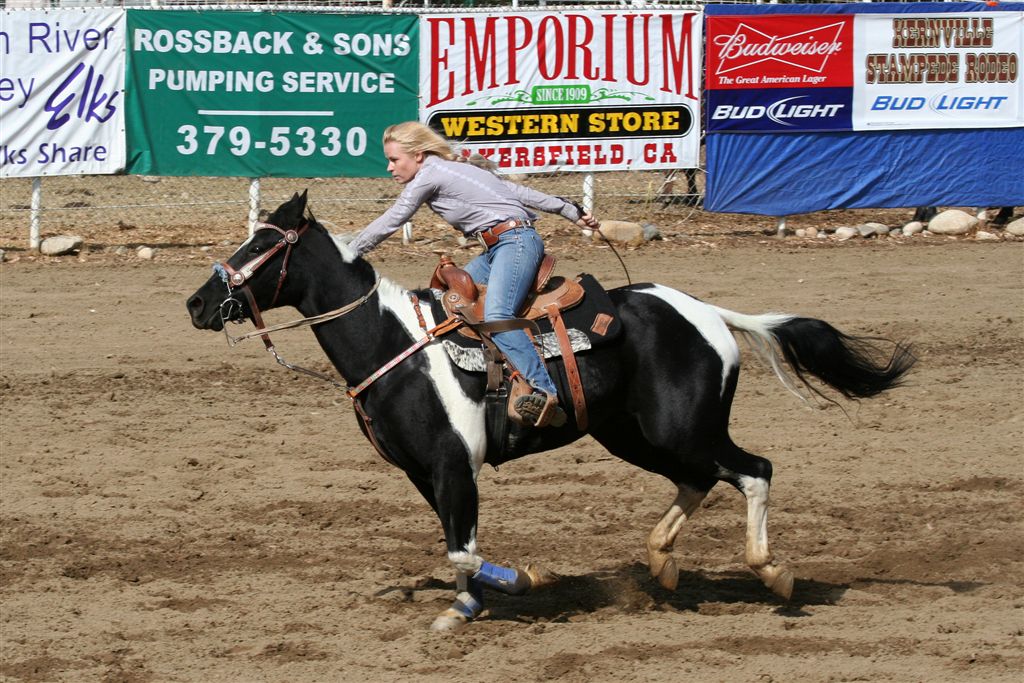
x: 254, y: 278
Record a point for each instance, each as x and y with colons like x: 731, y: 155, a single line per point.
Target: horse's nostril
x: 195, y: 304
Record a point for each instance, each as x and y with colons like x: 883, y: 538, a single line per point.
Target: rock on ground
x: 621, y: 231
x: 912, y: 228
x: 60, y: 245
x: 952, y: 222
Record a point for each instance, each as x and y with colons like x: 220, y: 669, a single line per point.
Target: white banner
x: 61, y: 92
x: 582, y: 91
x: 948, y: 70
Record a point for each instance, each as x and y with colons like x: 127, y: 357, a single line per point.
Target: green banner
x: 261, y: 94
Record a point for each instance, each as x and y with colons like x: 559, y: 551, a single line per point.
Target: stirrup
x: 540, y: 410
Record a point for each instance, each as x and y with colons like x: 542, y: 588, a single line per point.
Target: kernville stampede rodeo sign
x: 582, y: 91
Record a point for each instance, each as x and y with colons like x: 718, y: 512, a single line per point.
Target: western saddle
x: 549, y: 296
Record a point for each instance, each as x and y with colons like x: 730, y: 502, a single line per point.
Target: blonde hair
x: 415, y: 137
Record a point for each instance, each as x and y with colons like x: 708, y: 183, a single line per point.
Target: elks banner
x: 61, y: 92
x: 261, y: 94
x: 821, y: 72
x: 582, y: 91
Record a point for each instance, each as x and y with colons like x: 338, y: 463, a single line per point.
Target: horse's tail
x: 856, y: 367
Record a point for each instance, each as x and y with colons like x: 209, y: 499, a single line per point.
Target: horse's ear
x: 302, y: 202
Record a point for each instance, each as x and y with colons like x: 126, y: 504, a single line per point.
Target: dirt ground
x: 176, y: 510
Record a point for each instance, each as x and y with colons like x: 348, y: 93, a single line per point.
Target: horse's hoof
x: 539, y: 576
x: 668, y: 575
x: 663, y: 568
x: 449, y: 621
x: 778, y: 579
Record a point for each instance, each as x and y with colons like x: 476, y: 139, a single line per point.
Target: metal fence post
x: 254, y: 204
x: 588, y: 197
x: 588, y: 192
x: 780, y: 227
x: 37, y: 198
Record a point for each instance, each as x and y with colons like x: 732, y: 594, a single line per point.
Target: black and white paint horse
x: 658, y: 396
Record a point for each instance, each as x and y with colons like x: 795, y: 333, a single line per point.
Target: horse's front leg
x: 456, y: 498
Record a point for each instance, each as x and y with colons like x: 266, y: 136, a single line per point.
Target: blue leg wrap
x: 467, y: 605
x: 503, y: 579
x: 469, y: 599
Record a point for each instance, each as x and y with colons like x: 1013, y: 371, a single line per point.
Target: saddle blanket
x: 584, y: 334
x: 471, y: 359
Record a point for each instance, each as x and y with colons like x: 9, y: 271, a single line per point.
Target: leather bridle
x: 240, y: 278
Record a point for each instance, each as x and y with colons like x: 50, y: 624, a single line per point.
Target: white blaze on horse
x: 658, y: 395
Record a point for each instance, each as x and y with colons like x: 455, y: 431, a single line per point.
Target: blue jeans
x: 509, y: 269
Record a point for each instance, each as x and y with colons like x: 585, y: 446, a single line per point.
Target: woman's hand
x: 588, y: 221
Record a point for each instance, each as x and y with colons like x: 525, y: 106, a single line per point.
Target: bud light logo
x: 789, y: 109
x: 785, y: 112
x: 893, y: 103
x: 943, y: 104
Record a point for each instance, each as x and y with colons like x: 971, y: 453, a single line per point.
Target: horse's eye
x: 256, y: 249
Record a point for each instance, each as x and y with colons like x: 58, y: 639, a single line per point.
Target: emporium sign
x: 61, y: 92
x: 864, y: 71
x: 581, y: 91
x: 261, y: 94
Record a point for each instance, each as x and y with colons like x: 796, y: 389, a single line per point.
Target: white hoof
x: 663, y: 568
x: 448, y: 621
x: 539, y: 576
x: 778, y: 579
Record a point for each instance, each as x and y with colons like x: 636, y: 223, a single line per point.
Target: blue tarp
x: 778, y: 174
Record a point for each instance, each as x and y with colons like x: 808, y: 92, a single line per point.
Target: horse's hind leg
x: 626, y: 440
x: 752, y: 475
x: 661, y: 539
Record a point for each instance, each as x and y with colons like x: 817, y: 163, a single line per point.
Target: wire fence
x: 186, y: 210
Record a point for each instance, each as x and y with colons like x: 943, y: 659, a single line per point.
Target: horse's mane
x: 348, y: 255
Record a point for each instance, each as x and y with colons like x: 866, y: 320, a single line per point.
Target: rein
x: 615, y: 251
x: 579, y: 207
x: 305, y: 322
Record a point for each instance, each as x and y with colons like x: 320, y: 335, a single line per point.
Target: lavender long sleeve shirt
x: 468, y: 197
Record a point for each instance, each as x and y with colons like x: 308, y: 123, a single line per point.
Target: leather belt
x: 489, y: 237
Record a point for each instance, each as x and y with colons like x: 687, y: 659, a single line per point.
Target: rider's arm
x: 536, y: 199
x: 414, y: 195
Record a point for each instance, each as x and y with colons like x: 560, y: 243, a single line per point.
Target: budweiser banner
x: 581, y: 91
x: 61, y: 92
x: 866, y: 71
x: 779, y: 73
